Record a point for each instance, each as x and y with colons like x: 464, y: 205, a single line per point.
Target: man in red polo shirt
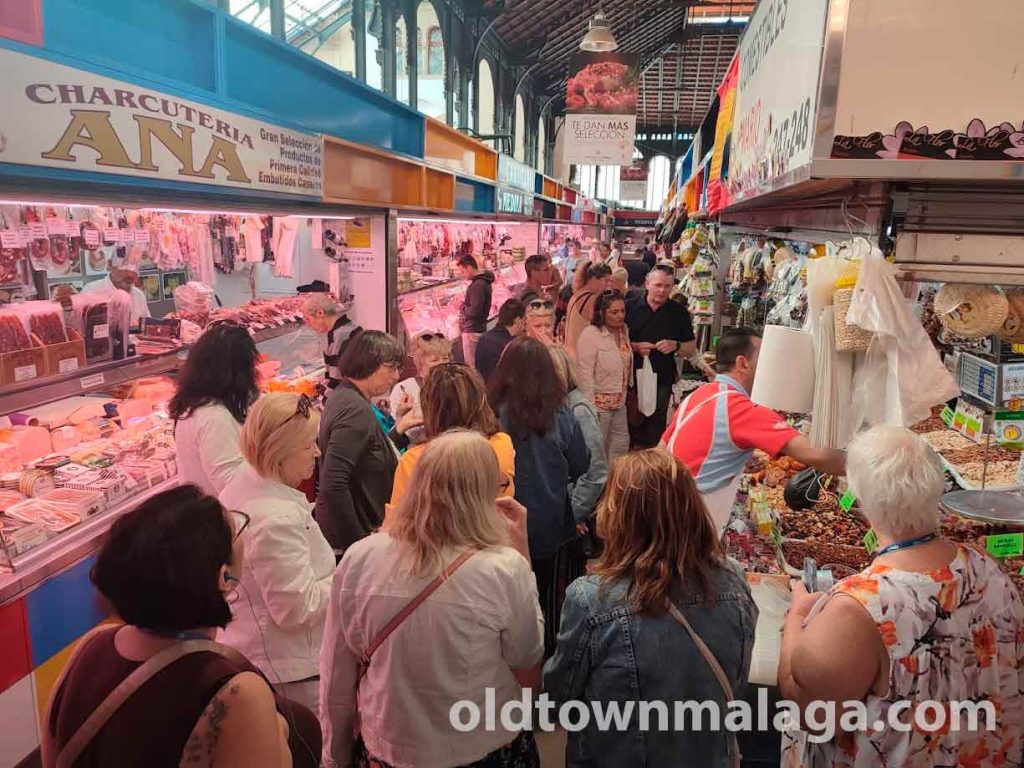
x: 718, y: 427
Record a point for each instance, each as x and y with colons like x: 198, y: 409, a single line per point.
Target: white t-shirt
x: 140, y: 307
x: 207, y: 443
x: 464, y: 639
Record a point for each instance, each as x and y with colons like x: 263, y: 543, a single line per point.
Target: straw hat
x: 972, y: 311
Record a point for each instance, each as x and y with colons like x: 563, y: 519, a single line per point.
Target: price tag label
x: 9, y: 238
x: 26, y: 233
x: 72, y: 228
x: 142, y: 236
x: 37, y: 231
x: 68, y: 365
x: 111, y: 234
x: 847, y: 500
x: 92, y: 238
x: 126, y: 236
x: 56, y: 226
x: 1005, y: 545
x: 25, y: 373
x: 101, y: 331
x: 95, y: 380
x: 947, y: 416
x: 871, y: 541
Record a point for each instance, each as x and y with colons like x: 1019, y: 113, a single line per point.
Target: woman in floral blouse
x: 927, y: 621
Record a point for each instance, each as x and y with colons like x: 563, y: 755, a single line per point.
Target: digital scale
x: 997, y: 385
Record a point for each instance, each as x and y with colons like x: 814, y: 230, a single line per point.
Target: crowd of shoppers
x: 452, y: 569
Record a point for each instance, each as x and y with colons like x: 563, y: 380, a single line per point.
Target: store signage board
x: 513, y: 202
x: 1008, y: 428
x: 600, y: 124
x: 512, y: 173
x: 777, y: 95
x: 913, y: 117
x: 633, y: 182
x: 969, y: 420
x: 59, y: 117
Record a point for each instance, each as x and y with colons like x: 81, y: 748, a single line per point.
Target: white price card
x: 25, y: 230
x: 92, y: 238
x: 142, y: 236
x: 10, y: 238
x: 38, y: 231
x: 72, y: 228
x: 68, y: 365
x: 56, y: 226
x: 95, y: 380
x: 25, y: 373
x: 101, y: 331
x: 111, y: 234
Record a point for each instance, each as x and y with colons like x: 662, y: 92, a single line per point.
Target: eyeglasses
x: 240, y: 521
x: 535, y: 305
x: 302, y: 408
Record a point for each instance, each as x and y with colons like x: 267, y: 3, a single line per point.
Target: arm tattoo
x: 200, y: 745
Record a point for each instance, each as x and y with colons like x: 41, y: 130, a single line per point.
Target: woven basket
x: 971, y: 311
x: 1013, y: 326
x: 849, y: 338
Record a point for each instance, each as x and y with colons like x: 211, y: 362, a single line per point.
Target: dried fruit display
x: 996, y: 474
x: 977, y: 453
x: 12, y: 334
x: 754, y: 554
x: 795, y: 551
x: 947, y: 440
x: 931, y: 424
x: 823, y: 525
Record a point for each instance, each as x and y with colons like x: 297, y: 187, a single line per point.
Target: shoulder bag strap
x: 156, y: 663
x: 716, y: 668
x: 402, y: 615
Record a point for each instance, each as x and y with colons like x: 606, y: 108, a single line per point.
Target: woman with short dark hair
x: 216, y: 386
x: 551, y: 455
x: 167, y: 570
x: 358, y: 457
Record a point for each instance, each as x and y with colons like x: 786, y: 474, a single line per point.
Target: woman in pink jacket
x: 603, y: 366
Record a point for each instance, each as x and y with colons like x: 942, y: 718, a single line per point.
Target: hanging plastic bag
x: 902, y: 376
x: 647, y: 388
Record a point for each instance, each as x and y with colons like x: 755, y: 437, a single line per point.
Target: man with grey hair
x: 929, y: 623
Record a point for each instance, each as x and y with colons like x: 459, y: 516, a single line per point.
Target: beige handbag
x: 716, y: 668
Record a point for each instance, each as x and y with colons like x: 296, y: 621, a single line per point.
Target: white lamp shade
x: 599, y: 38
x: 785, y: 371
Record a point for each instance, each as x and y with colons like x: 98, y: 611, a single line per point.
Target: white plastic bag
x: 647, y: 389
x: 902, y: 376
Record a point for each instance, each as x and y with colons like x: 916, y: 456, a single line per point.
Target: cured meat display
x: 12, y: 333
x: 49, y: 327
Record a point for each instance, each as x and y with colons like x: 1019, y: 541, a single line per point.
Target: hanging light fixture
x: 599, y: 37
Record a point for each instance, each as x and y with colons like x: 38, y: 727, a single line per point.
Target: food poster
x: 171, y: 282
x: 150, y: 285
x: 601, y: 102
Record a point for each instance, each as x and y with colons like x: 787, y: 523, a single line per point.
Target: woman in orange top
x: 453, y: 397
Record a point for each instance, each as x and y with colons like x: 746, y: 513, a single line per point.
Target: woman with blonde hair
x: 427, y: 349
x: 441, y: 608
x: 661, y: 589
x: 454, y: 397
x: 278, y: 619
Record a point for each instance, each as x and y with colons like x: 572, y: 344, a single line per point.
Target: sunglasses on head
x: 429, y: 336
x: 612, y: 292
x: 541, y: 304
x: 302, y: 408
x: 241, y: 522
x: 666, y: 269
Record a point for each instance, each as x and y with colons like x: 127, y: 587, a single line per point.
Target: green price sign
x: 871, y: 541
x: 847, y: 499
x: 947, y: 416
x: 1005, y: 545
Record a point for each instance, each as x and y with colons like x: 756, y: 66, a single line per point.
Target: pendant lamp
x: 599, y: 37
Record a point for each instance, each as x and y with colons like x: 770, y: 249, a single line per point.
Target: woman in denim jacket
x: 618, y: 643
